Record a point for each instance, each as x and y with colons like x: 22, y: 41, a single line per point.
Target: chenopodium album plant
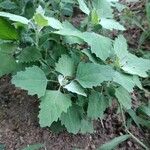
x: 74, y: 73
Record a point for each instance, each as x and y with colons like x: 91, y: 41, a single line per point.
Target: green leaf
x: 144, y: 109
x: 120, y: 7
x: 2, y: 147
x: 7, y: 31
x: 111, y: 24
x: 100, y: 45
x: 8, y: 5
x: 72, y: 119
x: 89, y: 74
x: 52, y: 105
x: 94, y: 17
x: 136, y: 66
x: 134, y: 117
x: 54, y: 23
x: 103, y: 8
x: 75, y: 87
x: 125, y: 80
x: 129, y: 62
x: 73, y: 40
x: 56, y: 127
x: 15, y: 18
x: 43, y: 20
x: 29, y: 54
x: 143, y: 122
x: 40, y: 20
x: 34, y: 147
x: 148, y: 10
x: 65, y: 66
x: 90, y: 56
x: 120, y: 47
x: 39, y: 17
x: 83, y: 7
x: 114, y: 142
x: 8, y: 48
x: 68, y: 30
x: 86, y: 126
x: 96, y: 105
x: 32, y: 79
x: 123, y: 97
x: 7, y: 65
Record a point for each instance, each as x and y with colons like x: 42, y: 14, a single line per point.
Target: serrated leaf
x: 111, y: 24
x: 82, y: 101
x: 7, y: 65
x: 120, y: 47
x: 136, y: 66
x: 7, y: 31
x: 65, y: 66
x: 100, y: 45
x: 129, y: 62
x: 29, y: 54
x: 114, y: 142
x: 72, y: 119
x: 120, y: 7
x: 86, y: 126
x: 32, y: 79
x: 103, y: 8
x: 8, y: 48
x: 125, y: 80
x: 88, y: 53
x: 137, y: 82
x: 15, y: 18
x: 52, y: 105
x: 89, y: 74
x: 83, y: 7
x: 8, y: 5
x: 75, y: 87
x: 96, y: 105
x: 123, y: 97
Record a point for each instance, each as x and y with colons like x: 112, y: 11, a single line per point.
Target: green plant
x: 76, y: 73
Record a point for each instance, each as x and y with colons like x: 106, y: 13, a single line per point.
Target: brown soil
x: 19, y: 125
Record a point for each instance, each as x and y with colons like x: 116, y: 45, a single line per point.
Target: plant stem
x: 37, y: 38
x: 126, y: 129
x: 136, y: 139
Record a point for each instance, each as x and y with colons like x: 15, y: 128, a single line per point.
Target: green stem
x: 37, y: 38
x: 126, y: 129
